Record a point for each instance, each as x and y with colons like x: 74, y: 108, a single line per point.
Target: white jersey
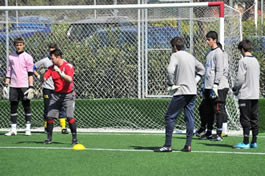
x: 247, y: 80
x: 182, y: 69
x: 45, y: 63
x: 224, y: 80
x: 213, y: 68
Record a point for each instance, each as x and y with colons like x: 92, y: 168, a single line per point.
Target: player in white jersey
x: 184, y: 71
x: 247, y: 89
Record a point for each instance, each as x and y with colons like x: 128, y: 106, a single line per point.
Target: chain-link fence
x: 119, y: 55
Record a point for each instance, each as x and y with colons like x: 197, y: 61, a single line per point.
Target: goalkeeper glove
x: 172, y: 89
x: 214, y: 91
x: 197, y: 78
x: 235, y: 91
x: 6, y: 92
x: 57, y: 69
x: 29, y: 94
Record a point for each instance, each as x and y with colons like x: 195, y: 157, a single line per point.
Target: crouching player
x: 62, y: 74
x: 181, y: 77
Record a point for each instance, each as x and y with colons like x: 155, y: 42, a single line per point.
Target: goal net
x: 120, y: 54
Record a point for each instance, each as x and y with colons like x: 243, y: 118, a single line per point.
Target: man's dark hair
x: 178, y: 42
x: 53, y: 45
x: 246, y: 45
x: 220, y: 45
x: 19, y: 40
x: 57, y: 52
x: 212, y: 34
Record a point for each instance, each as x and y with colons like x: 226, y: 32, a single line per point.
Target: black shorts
x: 16, y: 94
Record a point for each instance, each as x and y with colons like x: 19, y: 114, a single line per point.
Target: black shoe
x: 217, y: 138
x: 47, y: 141
x: 186, y: 148
x: 206, y: 137
x: 198, y: 132
x: 163, y: 149
x: 74, y: 141
x: 64, y: 131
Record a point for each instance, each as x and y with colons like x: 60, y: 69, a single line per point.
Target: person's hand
x: 5, y: 92
x: 235, y: 91
x: 172, y: 89
x: 197, y: 79
x: 214, y: 92
x: 57, y: 69
x: 29, y: 94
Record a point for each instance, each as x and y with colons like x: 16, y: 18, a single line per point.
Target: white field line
x: 131, y: 150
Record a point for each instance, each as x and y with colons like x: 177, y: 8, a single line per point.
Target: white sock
x: 13, y: 127
x: 225, y: 128
x: 28, y: 126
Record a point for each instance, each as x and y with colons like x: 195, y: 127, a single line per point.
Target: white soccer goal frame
x: 141, y: 89
x: 219, y: 4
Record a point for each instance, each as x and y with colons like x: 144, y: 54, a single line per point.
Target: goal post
x: 120, y: 57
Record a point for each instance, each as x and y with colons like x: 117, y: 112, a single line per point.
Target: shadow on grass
x: 144, y: 148
x: 37, y: 142
x: 22, y: 132
x: 217, y: 145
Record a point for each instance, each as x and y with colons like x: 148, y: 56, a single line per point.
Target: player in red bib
x: 62, y: 74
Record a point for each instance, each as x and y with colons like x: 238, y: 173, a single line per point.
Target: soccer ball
x: 79, y: 147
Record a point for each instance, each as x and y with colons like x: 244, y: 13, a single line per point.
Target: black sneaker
x: 64, y: 131
x: 186, y: 148
x: 198, y: 132
x: 74, y: 141
x: 163, y: 149
x: 217, y: 138
x: 206, y: 137
x: 47, y: 141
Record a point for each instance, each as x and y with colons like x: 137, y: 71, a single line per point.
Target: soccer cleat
x: 64, y: 131
x: 186, y: 148
x: 163, y: 149
x: 217, y: 138
x: 241, y: 146
x: 254, y: 145
x: 27, y: 133
x: 74, y: 141
x: 11, y: 133
x: 206, y: 137
x: 224, y: 135
x: 198, y: 132
x: 47, y: 141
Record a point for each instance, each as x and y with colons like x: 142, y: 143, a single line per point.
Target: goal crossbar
x: 124, y: 6
x: 219, y: 4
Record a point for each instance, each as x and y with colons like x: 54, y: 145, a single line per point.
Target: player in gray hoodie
x: 184, y: 71
x: 247, y: 89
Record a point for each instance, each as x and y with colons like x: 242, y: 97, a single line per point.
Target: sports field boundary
x: 111, y: 130
x: 130, y: 150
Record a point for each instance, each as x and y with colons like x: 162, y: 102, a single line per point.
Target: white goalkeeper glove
x: 197, y: 78
x: 6, y: 92
x: 29, y: 94
x: 57, y: 69
x: 172, y: 89
x: 214, y: 93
